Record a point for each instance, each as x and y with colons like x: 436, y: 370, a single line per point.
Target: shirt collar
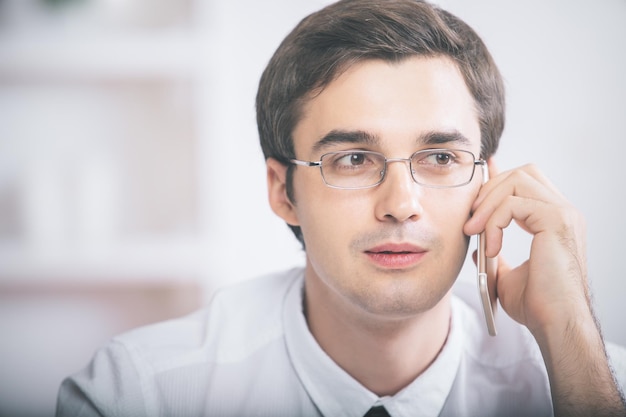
x: 335, y: 392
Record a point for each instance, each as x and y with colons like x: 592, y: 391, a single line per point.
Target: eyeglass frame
x: 480, y: 162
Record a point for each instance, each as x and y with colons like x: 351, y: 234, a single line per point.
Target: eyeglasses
x: 436, y: 168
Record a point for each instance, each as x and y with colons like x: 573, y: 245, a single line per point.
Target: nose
x: 398, y: 196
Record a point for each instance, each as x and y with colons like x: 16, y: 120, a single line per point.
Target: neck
x: 385, y: 354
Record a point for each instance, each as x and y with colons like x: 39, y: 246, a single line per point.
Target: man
x: 379, y: 120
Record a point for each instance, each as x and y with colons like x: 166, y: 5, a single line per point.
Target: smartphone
x: 488, y: 302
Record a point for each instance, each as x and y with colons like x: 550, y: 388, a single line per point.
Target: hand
x: 549, y: 289
x: 548, y: 293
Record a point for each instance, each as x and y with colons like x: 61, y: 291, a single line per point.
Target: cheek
x: 332, y: 215
x: 328, y: 227
x: 450, y: 209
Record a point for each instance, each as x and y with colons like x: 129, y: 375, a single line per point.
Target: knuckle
x: 531, y: 168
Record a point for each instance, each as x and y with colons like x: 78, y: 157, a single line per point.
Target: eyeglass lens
x: 431, y: 167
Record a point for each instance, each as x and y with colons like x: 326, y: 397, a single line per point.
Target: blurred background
x: 132, y: 184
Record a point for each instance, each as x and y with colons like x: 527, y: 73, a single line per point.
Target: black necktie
x: 377, y: 411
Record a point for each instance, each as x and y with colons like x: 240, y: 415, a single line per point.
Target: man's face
x: 397, y: 248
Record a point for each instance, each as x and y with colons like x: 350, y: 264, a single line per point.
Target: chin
x: 402, y: 302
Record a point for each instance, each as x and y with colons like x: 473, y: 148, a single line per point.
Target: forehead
x: 396, y: 102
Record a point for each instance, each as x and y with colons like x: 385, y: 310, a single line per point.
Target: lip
x: 396, y: 255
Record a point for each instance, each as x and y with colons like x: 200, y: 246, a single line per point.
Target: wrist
x: 578, y: 328
x: 581, y: 380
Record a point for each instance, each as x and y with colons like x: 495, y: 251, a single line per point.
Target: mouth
x: 396, y: 256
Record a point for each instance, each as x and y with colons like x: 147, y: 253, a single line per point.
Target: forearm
x: 581, y: 379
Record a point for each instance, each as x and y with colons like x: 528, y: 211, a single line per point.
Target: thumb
x: 511, y: 288
x: 500, y: 265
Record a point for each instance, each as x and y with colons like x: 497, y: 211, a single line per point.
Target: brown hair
x: 329, y: 41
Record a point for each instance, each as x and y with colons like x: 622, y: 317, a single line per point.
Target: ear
x: 493, y: 167
x: 277, y: 192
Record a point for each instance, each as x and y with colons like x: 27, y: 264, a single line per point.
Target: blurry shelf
x: 151, y: 262
x: 106, y: 187
x: 172, y: 53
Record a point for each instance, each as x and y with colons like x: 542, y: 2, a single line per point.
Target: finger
x: 531, y: 215
x: 526, y: 181
x: 519, y: 184
x: 512, y: 285
x: 536, y: 173
x: 500, y: 219
x: 503, y: 267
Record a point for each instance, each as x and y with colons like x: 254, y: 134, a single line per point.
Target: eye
x: 353, y: 159
x: 345, y: 160
x: 437, y: 159
x: 440, y: 161
x: 443, y: 158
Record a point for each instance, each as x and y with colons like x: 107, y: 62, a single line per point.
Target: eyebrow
x: 443, y: 137
x: 361, y: 137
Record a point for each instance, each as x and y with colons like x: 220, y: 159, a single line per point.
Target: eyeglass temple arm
x: 305, y: 163
x: 483, y: 166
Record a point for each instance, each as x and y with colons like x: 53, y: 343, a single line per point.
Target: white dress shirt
x: 250, y: 353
